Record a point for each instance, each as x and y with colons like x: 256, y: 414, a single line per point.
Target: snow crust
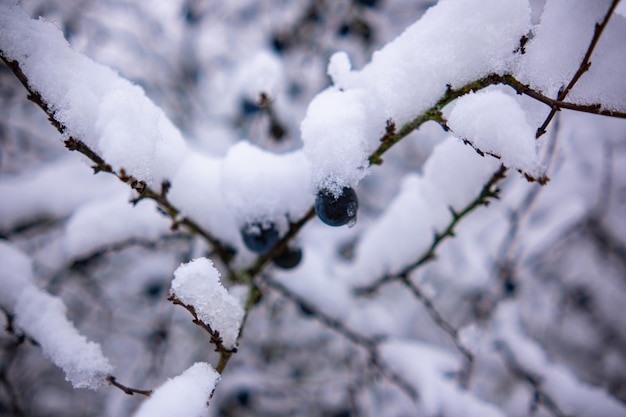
x: 197, y: 284
x: 43, y: 317
x: 405, y: 78
x: 259, y: 185
x: 184, y: 395
x: 496, y: 124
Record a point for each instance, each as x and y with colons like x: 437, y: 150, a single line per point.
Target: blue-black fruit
x: 259, y: 237
x: 336, y: 210
x: 288, y: 259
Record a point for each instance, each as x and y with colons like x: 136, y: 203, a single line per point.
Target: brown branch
x: 130, y: 391
x: 584, y: 66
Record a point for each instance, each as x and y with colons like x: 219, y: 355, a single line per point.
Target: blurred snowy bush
x: 484, y: 275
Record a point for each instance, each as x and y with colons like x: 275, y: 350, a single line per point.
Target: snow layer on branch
x: 37, y: 195
x: 494, y: 123
x: 428, y: 369
x: 453, y: 177
x: 196, y: 191
x: 574, y: 397
x: 559, y: 44
x: 185, y: 395
x: 43, y: 317
x: 95, y: 104
x: 454, y: 43
x: 16, y: 274
x: 110, y: 221
x: 259, y: 185
x: 197, y: 284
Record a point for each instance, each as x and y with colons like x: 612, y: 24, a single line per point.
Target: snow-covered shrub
x: 470, y: 154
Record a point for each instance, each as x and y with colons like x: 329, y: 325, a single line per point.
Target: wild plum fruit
x: 259, y: 237
x: 336, y: 210
x: 288, y: 259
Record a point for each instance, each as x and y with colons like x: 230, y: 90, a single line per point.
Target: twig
x: 130, y: 391
x: 225, y: 254
x: 369, y: 344
x: 444, y: 325
x: 486, y: 193
x: 216, y: 339
x: 584, y: 66
x: 540, y: 396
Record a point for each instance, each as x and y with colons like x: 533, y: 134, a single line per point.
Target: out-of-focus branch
x: 585, y: 64
x: 369, y: 344
x: 540, y: 396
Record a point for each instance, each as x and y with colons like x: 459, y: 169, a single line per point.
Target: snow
x: 197, y: 284
x: 405, y: 78
x: 35, y: 195
x: 259, y: 185
x: 573, y: 396
x: 494, y: 123
x: 104, y: 222
x: 108, y: 113
x: 453, y: 176
x: 196, y: 191
x: 43, y: 318
x: 184, y: 395
x: 426, y: 368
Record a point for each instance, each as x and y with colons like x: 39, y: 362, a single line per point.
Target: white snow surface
x: 406, y: 77
x: 197, y: 284
x: 36, y: 195
x: 43, y: 317
x: 496, y: 124
x: 97, y: 106
x: 184, y: 395
x: 453, y: 176
x: 104, y: 222
x: 259, y: 185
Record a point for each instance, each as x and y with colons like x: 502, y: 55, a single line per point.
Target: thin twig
x: 369, y: 344
x: 584, y: 66
x: 540, y: 396
x: 130, y: 391
x: 485, y: 195
x: 444, y: 325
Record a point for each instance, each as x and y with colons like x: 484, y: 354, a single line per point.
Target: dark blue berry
x: 259, y: 237
x: 290, y: 258
x: 336, y: 210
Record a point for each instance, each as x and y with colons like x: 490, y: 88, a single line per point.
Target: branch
x: 216, y: 339
x: 540, y: 396
x: 369, y: 344
x: 486, y: 193
x: 444, y: 325
x: 584, y: 66
x: 130, y: 391
x: 224, y: 253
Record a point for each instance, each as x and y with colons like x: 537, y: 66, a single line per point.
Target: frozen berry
x: 259, y: 237
x: 290, y: 258
x: 336, y: 210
